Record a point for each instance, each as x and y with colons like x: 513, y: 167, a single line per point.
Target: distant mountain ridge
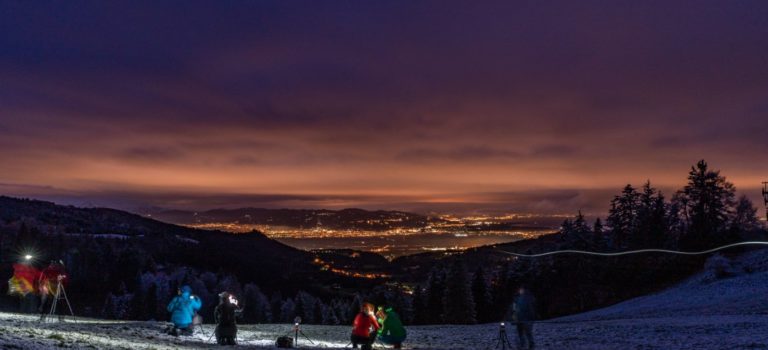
x: 107, y: 250
x: 350, y: 218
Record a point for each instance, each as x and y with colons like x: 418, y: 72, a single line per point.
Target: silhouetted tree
x: 622, y: 217
x: 434, y: 296
x: 458, y: 303
x: 482, y: 296
x: 651, y: 224
x: 598, y: 236
x: 502, y: 291
x: 256, y: 305
x: 420, y: 312
x: 745, y: 216
x: 288, y: 311
x: 707, y: 202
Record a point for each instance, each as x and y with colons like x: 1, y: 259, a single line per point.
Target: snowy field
x: 703, y: 312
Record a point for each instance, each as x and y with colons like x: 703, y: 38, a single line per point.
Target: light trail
x: 639, y: 251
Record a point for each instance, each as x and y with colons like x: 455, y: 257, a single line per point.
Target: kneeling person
x: 183, y: 308
x: 392, y: 331
x: 364, y: 327
x: 225, y: 316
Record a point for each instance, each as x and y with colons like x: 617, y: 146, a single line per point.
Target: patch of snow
x: 188, y: 240
x: 699, y: 313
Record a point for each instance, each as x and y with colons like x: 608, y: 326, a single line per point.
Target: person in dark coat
x: 183, y: 308
x: 225, y: 316
x: 364, y: 327
x: 524, y: 314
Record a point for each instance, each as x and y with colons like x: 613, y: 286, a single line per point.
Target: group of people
x: 184, y: 306
x: 384, y: 325
x: 368, y: 326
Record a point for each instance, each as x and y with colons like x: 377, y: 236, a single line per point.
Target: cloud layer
x: 369, y: 104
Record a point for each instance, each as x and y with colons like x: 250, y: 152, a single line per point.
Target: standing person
x: 47, y: 284
x: 182, y: 309
x: 392, y: 331
x: 524, y: 309
x: 364, y: 327
x: 225, y: 316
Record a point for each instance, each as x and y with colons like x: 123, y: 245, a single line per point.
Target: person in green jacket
x: 392, y: 331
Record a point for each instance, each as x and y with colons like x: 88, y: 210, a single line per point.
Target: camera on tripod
x: 288, y: 342
x: 502, y: 341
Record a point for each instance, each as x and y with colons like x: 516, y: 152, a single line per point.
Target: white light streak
x: 639, y: 251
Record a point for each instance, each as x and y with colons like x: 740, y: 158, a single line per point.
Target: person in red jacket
x: 47, y: 284
x: 364, y: 327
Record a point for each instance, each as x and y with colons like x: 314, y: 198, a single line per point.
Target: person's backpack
x: 284, y: 342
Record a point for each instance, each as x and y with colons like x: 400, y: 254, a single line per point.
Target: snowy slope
x: 701, y: 313
x: 744, y: 293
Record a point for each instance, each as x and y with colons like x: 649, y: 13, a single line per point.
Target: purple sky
x: 533, y: 106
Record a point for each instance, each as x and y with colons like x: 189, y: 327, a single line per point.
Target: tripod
x: 502, y: 341
x: 60, y: 294
x: 296, y: 332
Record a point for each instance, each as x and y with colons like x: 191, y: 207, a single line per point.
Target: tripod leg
x: 305, y: 336
x: 67, y: 300
x: 55, y: 300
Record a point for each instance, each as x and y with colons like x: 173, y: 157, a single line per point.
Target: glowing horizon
x: 444, y: 106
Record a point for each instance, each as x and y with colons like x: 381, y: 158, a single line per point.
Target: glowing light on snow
x: 639, y: 251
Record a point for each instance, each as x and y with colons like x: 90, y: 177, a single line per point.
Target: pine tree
x: 581, y: 233
x: 566, y: 230
x: 709, y: 201
x: 434, y: 296
x: 598, y: 237
x: 652, y: 223
x: 458, y: 303
x: 403, y: 305
x: 138, y: 305
x: 151, y: 302
x: 482, y: 296
x: 622, y: 217
x: 257, y: 307
x: 745, y: 217
x: 502, y: 294
x: 276, y: 305
x: 329, y: 315
x: 302, y: 308
x: 353, y: 308
x: 420, y: 312
x: 288, y: 311
x: 317, y: 311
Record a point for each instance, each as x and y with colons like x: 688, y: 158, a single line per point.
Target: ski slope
x: 704, y: 312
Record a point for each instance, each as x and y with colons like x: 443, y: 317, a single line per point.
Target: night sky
x: 532, y: 106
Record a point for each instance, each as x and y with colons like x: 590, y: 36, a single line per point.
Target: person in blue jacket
x: 182, y: 309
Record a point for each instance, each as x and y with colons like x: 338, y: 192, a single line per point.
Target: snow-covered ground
x: 703, y: 312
